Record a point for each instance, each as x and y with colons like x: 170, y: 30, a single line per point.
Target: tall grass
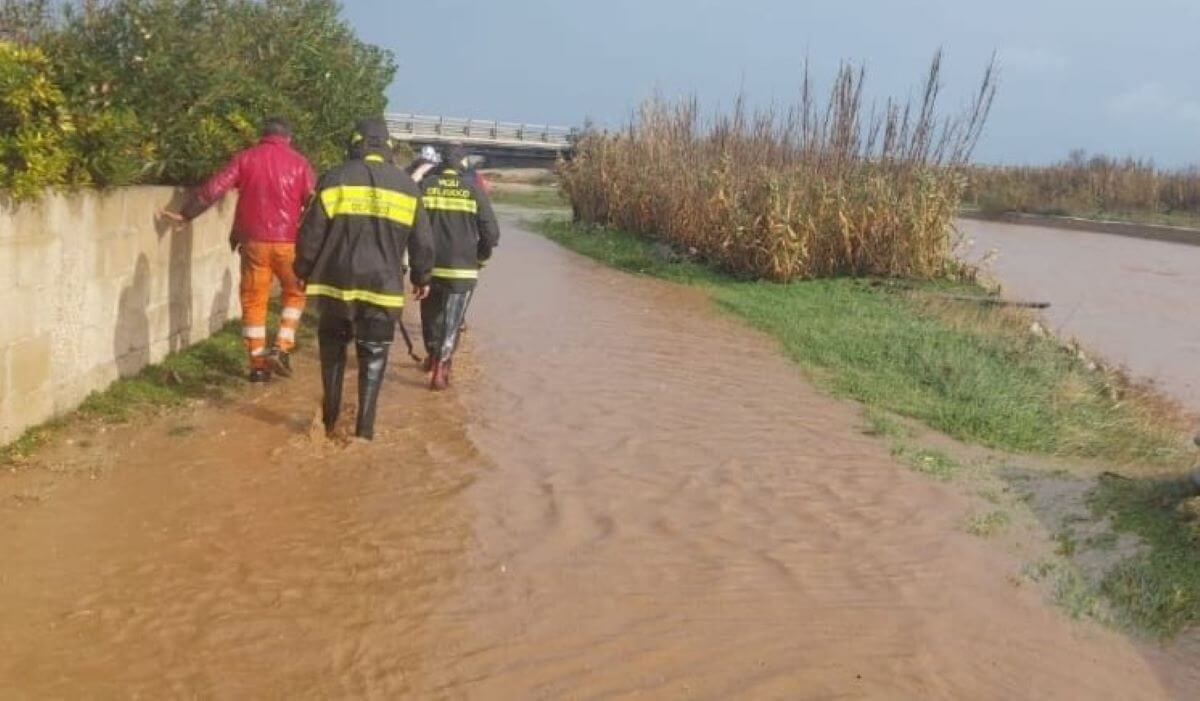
x: 826, y: 187
x: 1088, y: 186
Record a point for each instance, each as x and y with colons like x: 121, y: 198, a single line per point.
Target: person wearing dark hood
x: 366, y: 215
x: 464, y: 233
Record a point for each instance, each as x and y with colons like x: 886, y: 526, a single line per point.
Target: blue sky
x: 1109, y: 76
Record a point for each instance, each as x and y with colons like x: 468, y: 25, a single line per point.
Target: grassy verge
x: 204, y: 369
x: 1185, y: 220
x: 1182, y: 219
x: 979, y: 374
x: 209, y: 368
x: 534, y: 197
x: 1159, y: 588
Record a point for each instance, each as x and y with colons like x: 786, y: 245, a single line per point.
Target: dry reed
x: 824, y: 188
x: 1084, y: 185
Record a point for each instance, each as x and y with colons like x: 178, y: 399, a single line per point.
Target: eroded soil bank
x: 626, y: 494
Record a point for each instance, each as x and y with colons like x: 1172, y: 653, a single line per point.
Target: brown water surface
x: 625, y: 496
x: 1131, y: 300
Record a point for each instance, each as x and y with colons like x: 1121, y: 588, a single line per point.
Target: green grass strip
x: 533, y: 198
x: 209, y: 368
x: 1157, y: 589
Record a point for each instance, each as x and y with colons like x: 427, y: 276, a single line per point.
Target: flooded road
x: 626, y: 495
x: 1132, y: 301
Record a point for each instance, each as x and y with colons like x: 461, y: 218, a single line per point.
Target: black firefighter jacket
x: 351, y: 244
x: 464, y: 227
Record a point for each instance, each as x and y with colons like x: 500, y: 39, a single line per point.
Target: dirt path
x: 1131, y: 300
x: 626, y: 496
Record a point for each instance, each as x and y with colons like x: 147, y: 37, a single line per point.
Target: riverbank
x: 1185, y: 233
x: 976, y: 373
x: 1141, y: 318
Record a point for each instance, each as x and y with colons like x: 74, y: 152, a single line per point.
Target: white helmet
x: 429, y: 153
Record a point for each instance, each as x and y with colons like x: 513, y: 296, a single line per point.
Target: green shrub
x: 164, y: 91
x: 35, y: 128
x: 200, y: 75
x: 23, y: 21
x: 113, y: 147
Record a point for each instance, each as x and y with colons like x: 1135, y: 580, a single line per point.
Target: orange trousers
x: 260, y: 263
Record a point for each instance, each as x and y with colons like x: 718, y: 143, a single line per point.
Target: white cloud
x: 1026, y: 59
x: 1154, y: 101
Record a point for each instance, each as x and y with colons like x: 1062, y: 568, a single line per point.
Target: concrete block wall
x: 93, y: 287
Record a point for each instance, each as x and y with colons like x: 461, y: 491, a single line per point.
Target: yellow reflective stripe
x: 378, y: 298
x: 450, y: 204
x: 456, y: 273
x: 374, y: 158
x: 356, y: 200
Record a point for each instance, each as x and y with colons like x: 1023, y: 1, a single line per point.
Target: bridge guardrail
x: 419, y: 127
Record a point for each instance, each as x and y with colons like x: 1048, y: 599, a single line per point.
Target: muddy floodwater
x: 1133, y: 301
x: 626, y: 495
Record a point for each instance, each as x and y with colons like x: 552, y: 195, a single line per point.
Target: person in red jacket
x: 274, y: 183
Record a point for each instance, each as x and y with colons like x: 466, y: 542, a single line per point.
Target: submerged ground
x: 627, y: 493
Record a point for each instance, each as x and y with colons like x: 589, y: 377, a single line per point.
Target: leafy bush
x: 22, y: 21
x: 165, y: 91
x: 112, y: 146
x: 35, y: 128
x: 826, y: 190
x: 200, y: 75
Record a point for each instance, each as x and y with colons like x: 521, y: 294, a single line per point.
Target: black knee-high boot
x: 431, y: 310
x: 333, y: 371
x: 456, y: 311
x: 453, y: 312
x: 372, y: 362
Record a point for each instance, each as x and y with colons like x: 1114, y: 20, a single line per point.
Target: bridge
x: 503, y: 143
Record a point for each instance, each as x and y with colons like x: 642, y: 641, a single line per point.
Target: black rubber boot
x: 455, y: 312
x: 333, y: 372
x: 372, y: 362
x: 431, y: 314
x: 450, y: 323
